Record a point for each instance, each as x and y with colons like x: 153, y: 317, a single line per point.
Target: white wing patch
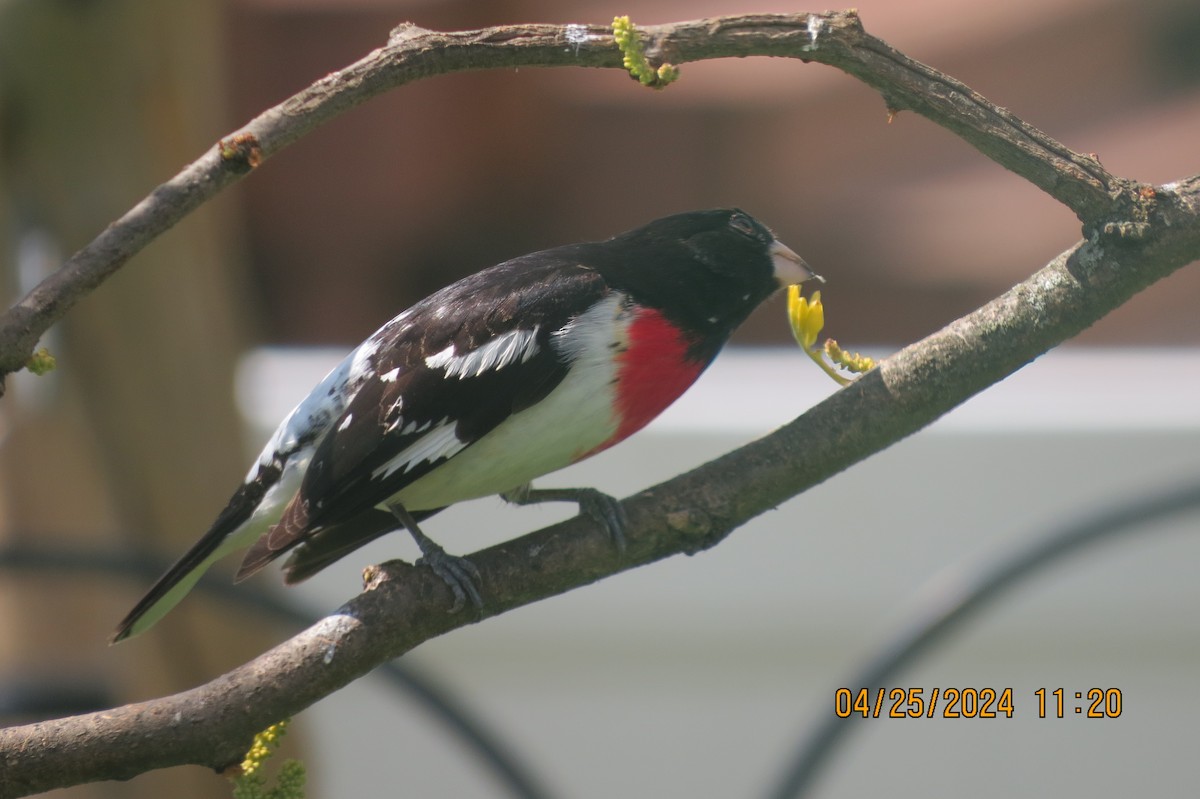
x: 413, y: 427
x: 515, y: 346
x: 438, y: 444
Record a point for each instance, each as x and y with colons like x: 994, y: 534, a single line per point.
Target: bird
x: 506, y: 375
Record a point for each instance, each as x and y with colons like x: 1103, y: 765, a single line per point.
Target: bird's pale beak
x: 790, y: 268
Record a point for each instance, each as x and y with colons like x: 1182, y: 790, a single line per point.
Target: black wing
x: 445, y: 373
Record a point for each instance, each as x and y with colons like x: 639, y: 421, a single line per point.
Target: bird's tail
x: 178, y: 580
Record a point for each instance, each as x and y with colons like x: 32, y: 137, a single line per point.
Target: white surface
x: 696, y: 676
x: 1066, y: 390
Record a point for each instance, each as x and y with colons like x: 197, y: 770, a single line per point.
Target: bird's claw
x: 606, y: 510
x: 459, y: 574
x: 596, y: 505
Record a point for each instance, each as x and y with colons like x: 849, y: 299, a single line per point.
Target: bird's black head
x: 706, y: 270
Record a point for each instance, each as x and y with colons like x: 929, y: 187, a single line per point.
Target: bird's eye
x: 742, y: 224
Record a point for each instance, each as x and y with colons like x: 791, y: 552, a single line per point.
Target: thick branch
x: 834, y: 38
x: 402, y: 606
x: 1136, y: 235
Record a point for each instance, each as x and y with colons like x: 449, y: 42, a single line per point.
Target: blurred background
x: 697, y: 675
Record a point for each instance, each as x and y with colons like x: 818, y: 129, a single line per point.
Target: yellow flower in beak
x: 807, y: 318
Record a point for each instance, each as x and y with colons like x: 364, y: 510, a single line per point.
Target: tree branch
x: 403, y: 606
x: 1135, y: 236
x: 412, y: 53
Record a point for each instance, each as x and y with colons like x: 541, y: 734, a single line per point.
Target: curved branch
x: 1135, y: 235
x: 403, y: 606
x: 412, y: 53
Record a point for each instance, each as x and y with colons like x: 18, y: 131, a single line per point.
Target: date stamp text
x: 974, y: 703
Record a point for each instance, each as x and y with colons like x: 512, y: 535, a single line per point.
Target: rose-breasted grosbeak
x: 504, y: 376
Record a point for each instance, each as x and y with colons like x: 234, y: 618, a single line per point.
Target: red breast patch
x: 652, y: 372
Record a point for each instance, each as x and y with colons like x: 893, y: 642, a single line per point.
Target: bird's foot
x: 458, y: 573
x: 602, y: 508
